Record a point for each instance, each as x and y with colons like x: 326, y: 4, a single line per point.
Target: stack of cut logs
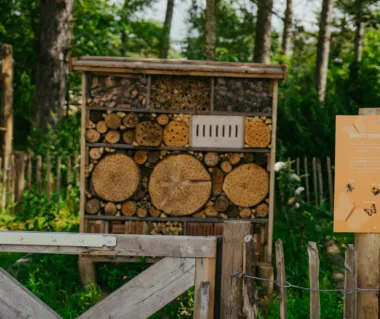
x: 185, y: 93
x: 242, y: 95
x: 121, y: 92
x: 168, y: 228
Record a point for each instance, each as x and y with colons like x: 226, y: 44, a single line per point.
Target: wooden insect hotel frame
x: 176, y: 147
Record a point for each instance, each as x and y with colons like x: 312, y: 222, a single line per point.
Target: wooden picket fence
x: 41, y: 174
x: 350, y: 289
x: 317, y: 178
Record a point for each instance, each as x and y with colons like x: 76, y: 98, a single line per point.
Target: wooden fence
x: 317, y: 178
x: 49, y: 176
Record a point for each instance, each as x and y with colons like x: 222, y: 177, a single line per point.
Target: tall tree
x: 210, y: 30
x: 359, y: 31
x: 263, y: 35
x: 323, y: 49
x: 166, y: 32
x: 54, y: 43
x: 287, y: 33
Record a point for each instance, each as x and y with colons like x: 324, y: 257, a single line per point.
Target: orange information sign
x: 357, y: 174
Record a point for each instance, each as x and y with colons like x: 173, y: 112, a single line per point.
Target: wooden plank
x: 127, y: 245
x: 83, y: 150
x: 12, y: 186
x: 6, y: 68
x: 148, y: 292
x: 68, y: 181
x: 38, y: 174
x: 20, y: 179
x: 272, y: 174
x: 204, y: 272
x: 368, y: 247
x: 250, y: 308
x: 320, y: 181
x: 298, y: 171
x: 307, y: 187
x: 30, y: 170
x: 18, y: 302
x: 281, y: 279
x: 350, y: 283
x: 48, y: 178
x: 171, y: 219
x: 58, y: 184
x: 232, y: 263
x: 331, y: 190
x: 173, y: 148
x: 243, y: 70
x: 87, y: 272
x: 315, y: 182
x: 205, y: 301
x: 312, y: 251
x: 172, y: 61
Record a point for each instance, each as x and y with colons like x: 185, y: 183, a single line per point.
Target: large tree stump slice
x: 176, y: 133
x: 247, y: 185
x: 149, y: 133
x: 179, y: 185
x: 115, y: 178
x: 257, y: 134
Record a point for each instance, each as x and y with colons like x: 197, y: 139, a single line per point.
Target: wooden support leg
x: 204, y: 288
x: 86, y: 271
x: 265, y: 270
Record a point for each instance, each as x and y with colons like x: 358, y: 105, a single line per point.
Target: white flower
x: 299, y: 190
x: 297, y: 205
x: 279, y: 165
x: 295, y: 177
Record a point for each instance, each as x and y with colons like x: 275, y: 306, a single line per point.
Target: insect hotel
x: 177, y: 147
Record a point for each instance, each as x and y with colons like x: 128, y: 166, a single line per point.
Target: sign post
x: 357, y: 198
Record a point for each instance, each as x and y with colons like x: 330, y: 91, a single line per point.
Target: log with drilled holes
x: 176, y: 133
x: 128, y: 208
x: 257, y: 134
x: 247, y: 185
x: 179, y: 185
x: 148, y: 133
x: 115, y: 178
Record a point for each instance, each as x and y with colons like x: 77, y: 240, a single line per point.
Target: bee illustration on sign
x: 375, y: 191
x: 370, y: 211
x: 349, y: 187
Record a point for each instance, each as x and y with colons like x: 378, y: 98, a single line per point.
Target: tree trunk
x: 359, y: 32
x: 166, y: 31
x: 263, y: 37
x: 210, y: 30
x: 323, y: 49
x: 52, y: 60
x: 287, y: 33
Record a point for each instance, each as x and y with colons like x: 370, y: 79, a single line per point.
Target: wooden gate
x: 187, y: 262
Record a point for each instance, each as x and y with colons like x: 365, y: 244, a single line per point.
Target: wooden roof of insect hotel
x: 178, y: 67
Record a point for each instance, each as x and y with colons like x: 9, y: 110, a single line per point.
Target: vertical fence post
x: 38, y: 174
x: 6, y: 70
x: 320, y: 181
x: 315, y: 181
x: 329, y: 176
x: 281, y: 279
x: 307, y: 181
x: 48, y: 178
x: 29, y: 172
x: 298, y: 171
x: 12, y: 184
x: 350, y: 283
x: 19, y: 178
x: 312, y: 251
x: 68, y: 181
x: 232, y: 263
x: 249, y: 286
x: 58, y: 183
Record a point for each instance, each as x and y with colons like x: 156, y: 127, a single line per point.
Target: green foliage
x: 296, y: 225
x: 235, y: 26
